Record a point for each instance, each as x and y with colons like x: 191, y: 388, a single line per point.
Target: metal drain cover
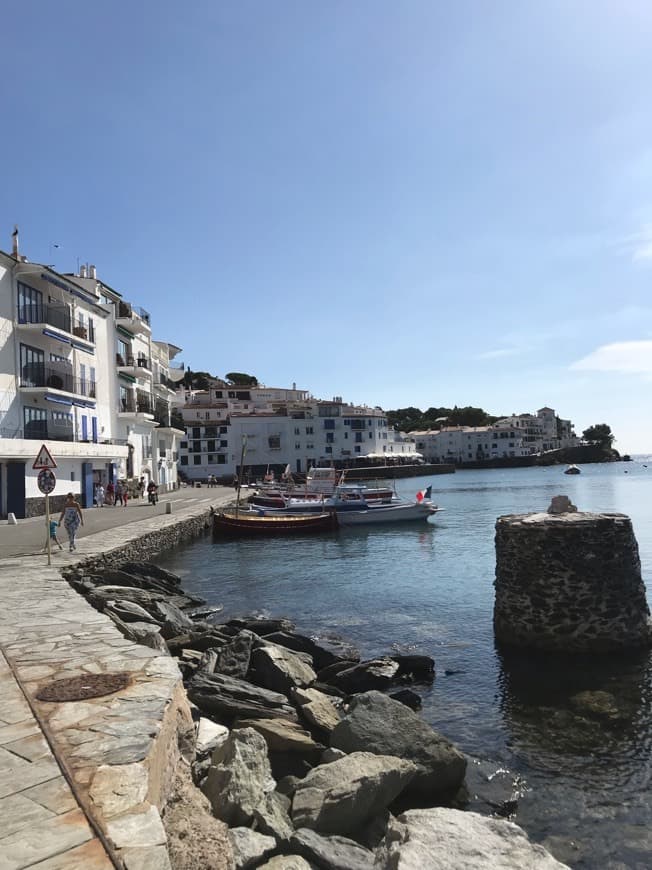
x: 80, y: 688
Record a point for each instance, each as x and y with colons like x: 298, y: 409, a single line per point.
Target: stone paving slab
x: 119, y: 751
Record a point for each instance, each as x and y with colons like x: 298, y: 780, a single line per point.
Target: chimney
x: 82, y: 271
x: 92, y: 272
x: 14, y: 243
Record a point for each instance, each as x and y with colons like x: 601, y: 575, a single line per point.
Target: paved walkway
x: 70, y: 770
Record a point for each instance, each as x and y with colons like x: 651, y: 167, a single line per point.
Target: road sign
x: 46, y: 481
x: 44, y: 459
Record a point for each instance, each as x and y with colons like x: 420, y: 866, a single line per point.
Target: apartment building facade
x: 61, y: 384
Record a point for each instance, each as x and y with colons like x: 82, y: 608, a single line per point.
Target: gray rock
x: 377, y: 724
x: 283, y: 736
x: 228, y: 698
x: 415, y: 667
x: 287, y: 785
x: 239, y: 777
x: 286, y: 862
x: 233, y: 658
x: 260, y: 625
x: 329, y: 755
x: 407, y: 697
x: 271, y: 817
x: 324, y: 651
x: 210, y: 736
x: 444, y: 839
x: 174, y: 621
x: 279, y: 669
x: 335, y: 853
x: 128, y: 611
x: 338, y: 798
x: 365, y: 676
x: 317, y: 708
x: 249, y: 847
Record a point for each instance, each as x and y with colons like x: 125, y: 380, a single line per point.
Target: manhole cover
x: 80, y: 688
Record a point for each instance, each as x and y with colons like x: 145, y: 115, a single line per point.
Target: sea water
x: 583, y: 781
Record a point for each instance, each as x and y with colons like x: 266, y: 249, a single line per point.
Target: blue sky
x: 414, y: 203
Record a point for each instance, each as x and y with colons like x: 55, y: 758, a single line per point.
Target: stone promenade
x: 81, y: 782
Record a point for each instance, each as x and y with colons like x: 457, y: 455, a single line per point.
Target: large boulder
x: 444, y: 839
x: 365, y: 676
x: 279, y: 669
x: 233, y: 658
x: 377, y: 724
x: 334, y: 852
x: 228, y: 698
x: 339, y: 798
x: 239, y: 778
x: 283, y: 736
x: 286, y: 862
x: 324, y: 651
x: 317, y: 708
x: 261, y: 625
x: 249, y: 847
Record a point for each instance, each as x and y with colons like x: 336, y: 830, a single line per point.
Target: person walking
x: 125, y: 495
x: 53, y: 534
x: 109, y: 498
x: 119, y: 492
x: 99, y: 495
x: 72, y: 518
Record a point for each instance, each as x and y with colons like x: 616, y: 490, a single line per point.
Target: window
x: 357, y: 448
x: 183, y: 445
x: 221, y: 459
x: 218, y: 394
x: 210, y: 432
x: 55, y: 357
x: 274, y: 442
x: 329, y: 449
x: 329, y: 424
x: 358, y: 437
x: 211, y: 459
x: 210, y: 445
x: 184, y: 460
x: 35, y: 421
x: 297, y: 431
x: 224, y: 443
x: 330, y: 437
x: 371, y: 434
x: 224, y: 430
x: 196, y: 446
x: 196, y: 460
x: 297, y: 445
x: 32, y: 366
x: 207, y: 415
x: 196, y: 432
x: 309, y: 430
x: 310, y: 446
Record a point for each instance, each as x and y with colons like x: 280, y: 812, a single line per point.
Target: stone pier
x: 569, y: 581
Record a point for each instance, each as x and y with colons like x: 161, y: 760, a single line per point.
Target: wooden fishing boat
x: 240, y: 524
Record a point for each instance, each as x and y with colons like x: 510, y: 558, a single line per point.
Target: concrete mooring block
x: 569, y: 582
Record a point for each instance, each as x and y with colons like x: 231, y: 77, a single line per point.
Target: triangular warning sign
x: 44, y: 460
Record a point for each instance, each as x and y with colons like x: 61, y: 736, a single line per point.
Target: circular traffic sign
x: 46, y: 481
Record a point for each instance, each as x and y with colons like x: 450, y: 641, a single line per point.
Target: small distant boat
x: 241, y: 524
x: 572, y: 469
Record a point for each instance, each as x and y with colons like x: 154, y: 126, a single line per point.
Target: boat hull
x: 243, y: 524
x: 391, y: 514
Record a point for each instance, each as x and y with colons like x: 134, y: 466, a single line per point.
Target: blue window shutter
x: 84, y: 420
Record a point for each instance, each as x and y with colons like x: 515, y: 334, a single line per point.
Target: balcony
x: 56, y: 316
x: 137, y: 366
x: 42, y: 430
x: 134, y: 320
x: 38, y: 376
x: 164, y: 385
x: 132, y: 405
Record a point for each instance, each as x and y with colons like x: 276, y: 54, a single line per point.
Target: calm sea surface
x: 585, y: 783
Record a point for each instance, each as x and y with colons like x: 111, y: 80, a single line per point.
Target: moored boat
x: 572, y: 469
x: 238, y: 524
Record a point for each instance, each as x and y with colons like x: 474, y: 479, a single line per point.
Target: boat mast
x: 242, y: 456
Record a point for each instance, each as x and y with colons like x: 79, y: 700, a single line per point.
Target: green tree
x: 600, y: 435
x: 240, y: 379
x: 196, y: 380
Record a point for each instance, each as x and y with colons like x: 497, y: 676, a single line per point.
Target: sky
x: 403, y: 204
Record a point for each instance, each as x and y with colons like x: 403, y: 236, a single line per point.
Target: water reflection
x: 563, y: 711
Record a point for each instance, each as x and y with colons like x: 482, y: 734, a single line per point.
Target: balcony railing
x: 40, y: 430
x: 130, y: 405
x: 54, y: 315
x: 40, y: 375
x: 85, y: 331
x: 133, y: 362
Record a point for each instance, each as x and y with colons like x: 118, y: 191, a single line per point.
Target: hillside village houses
x: 516, y: 436
x: 80, y: 373
x: 280, y: 427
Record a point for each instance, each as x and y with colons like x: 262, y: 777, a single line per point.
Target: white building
x: 516, y: 436
x: 61, y: 384
x: 280, y: 427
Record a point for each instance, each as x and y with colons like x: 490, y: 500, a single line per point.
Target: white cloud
x: 497, y: 354
x: 638, y: 245
x: 633, y: 357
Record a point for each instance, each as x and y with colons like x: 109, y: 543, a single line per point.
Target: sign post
x: 46, y: 482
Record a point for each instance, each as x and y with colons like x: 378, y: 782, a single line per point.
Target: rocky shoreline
x: 310, y: 756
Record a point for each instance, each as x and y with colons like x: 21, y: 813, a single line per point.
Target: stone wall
x: 569, y: 582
